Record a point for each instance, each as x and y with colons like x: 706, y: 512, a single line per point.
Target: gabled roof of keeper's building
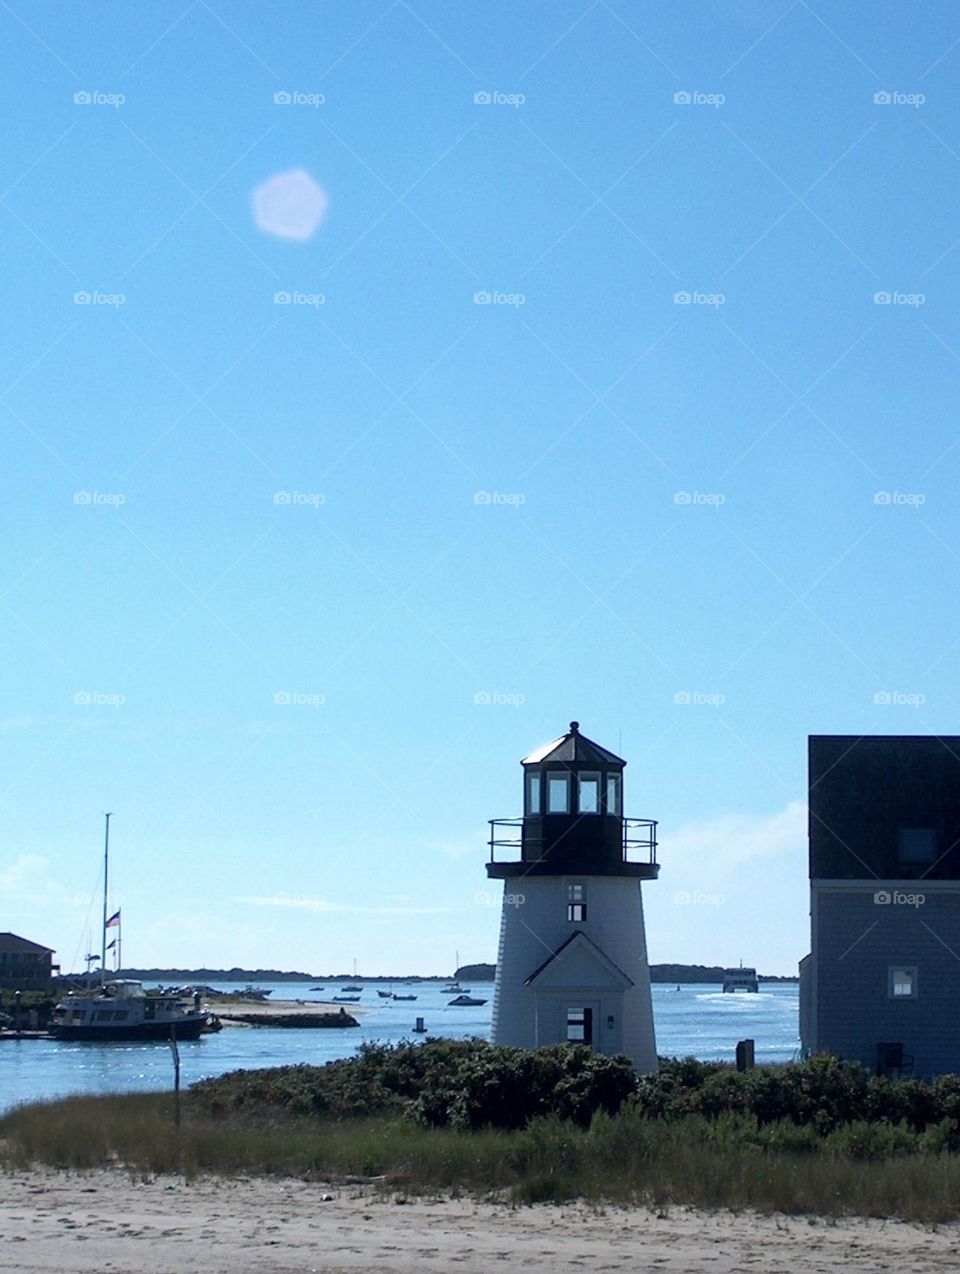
x: 580, y: 963
x: 13, y: 942
x: 573, y: 746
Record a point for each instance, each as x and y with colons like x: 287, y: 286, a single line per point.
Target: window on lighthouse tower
x: 577, y: 903
x: 533, y: 793
x: 589, y: 794
x: 613, y: 793
x: 558, y: 794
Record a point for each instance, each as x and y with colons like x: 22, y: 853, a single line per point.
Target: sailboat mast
x: 106, y: 884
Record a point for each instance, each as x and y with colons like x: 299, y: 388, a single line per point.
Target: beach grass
x: 627, y: 1158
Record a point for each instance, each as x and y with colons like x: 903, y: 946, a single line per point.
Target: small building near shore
x: 572, y: 965
x: 881, y: 984
x: 24, y: 965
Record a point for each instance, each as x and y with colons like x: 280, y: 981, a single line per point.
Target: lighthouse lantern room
x: 572, y: 963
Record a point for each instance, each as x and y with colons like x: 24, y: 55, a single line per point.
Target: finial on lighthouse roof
x: 573, y: 747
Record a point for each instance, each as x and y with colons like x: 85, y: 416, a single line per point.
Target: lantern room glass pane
x: 558, y: 794
x: 613, y: 794
x: 533, y: 793
x: 589, y: 795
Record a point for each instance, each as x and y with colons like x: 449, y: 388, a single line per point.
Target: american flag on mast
x: 114, y: 921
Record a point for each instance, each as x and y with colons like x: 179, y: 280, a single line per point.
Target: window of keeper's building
x: 917, y: 845
x: 902, y: 982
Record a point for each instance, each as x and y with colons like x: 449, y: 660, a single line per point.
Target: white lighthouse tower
x: 572, y: 964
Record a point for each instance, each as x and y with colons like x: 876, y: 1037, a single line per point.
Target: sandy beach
x: 78, y: 1223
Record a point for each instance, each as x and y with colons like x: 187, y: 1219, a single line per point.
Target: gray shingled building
x: 882, y: 982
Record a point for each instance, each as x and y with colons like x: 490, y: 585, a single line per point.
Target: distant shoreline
x: 659, y: 974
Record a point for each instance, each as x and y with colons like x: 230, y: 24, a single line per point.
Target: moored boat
x: 463, y: 1000
x: 123, y: 1010
x: 118, y: 1008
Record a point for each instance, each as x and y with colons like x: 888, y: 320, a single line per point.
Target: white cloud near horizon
x: 733, y: 886
x: 730, y: 840
x: 30, y: 879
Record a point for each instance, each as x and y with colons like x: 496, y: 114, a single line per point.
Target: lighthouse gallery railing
x: 639, y: 839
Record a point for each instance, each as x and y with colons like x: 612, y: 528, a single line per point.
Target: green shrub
x: 941, y: 1138
x: 440, y: 1083
x: 786, y: 1137
x: 508, y: 1087
x: 862, y: 1140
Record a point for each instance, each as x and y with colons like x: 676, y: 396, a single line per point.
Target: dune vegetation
x: 552, y: 1124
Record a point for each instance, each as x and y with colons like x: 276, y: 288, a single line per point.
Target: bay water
x: 694, y: 1021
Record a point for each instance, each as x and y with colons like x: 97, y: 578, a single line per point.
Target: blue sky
x: 617, y: 382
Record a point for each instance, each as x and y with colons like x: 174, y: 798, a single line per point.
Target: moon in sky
x: 289, y: 205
